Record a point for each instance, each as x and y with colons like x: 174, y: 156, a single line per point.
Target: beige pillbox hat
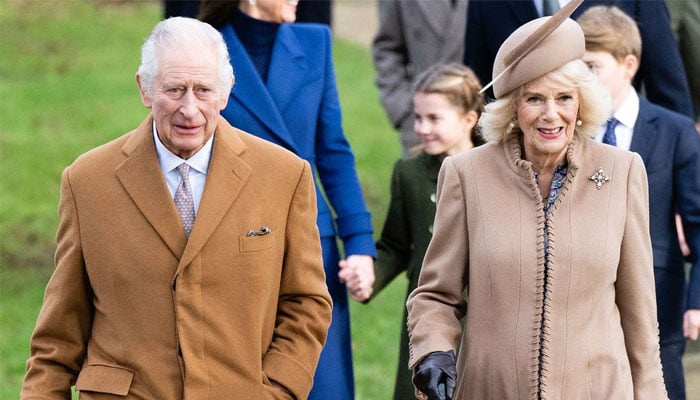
x: 536, y: 48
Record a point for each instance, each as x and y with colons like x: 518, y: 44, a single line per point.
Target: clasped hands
x: 357, y: 272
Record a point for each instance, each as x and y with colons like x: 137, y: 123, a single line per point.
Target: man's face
x: 186, y: 99
x: 615, y: 75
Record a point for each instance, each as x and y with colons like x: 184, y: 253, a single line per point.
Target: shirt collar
x: 629, y: 109
x: 169, y: 161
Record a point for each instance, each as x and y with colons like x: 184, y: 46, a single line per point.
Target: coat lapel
x: 250, y: 91
x: 432, y: 165
x: 143, y: 180
x: 437, y: 15
x: 645, y: 133
x: 287, y: 68
x: 454, y: 34
x: 226, y: 177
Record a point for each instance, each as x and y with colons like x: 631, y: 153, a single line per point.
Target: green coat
x: 685, y: 21
x: 405, y: 237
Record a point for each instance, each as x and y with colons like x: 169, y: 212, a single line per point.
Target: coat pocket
x: 105, y: 379
x: 257, y: 242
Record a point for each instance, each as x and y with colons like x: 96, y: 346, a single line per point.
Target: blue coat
x: 661, y: 70
x: 298, y: 108
x: 670, y: 148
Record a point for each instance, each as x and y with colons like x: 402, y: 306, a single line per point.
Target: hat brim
x: 529, y: 37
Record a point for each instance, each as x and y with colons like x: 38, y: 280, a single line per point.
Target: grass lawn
x: 67, y: 85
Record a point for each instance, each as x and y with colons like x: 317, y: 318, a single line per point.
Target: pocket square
x: 260, y: 232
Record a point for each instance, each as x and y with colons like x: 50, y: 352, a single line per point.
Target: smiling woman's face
x: 546, y: 114
x: 278, y: 11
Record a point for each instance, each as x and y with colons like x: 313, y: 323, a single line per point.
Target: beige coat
x: 135, y: 309
x: 599, y: 337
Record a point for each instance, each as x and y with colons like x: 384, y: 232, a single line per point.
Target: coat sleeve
x: 635, y: 293
x: 304, y: 308
x: 436, y: 306
x: 685, y: 22
x: 661, y: 67
x: 687, y: 175
x: 391, y: 63
x: 335, y: 164
x: 394, y: 246
x: 58, y: 343
x: 476, y: 51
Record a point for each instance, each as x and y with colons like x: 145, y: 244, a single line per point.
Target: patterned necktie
x: 184, y: 200
x: 549, y: 7
x: 609, y: 137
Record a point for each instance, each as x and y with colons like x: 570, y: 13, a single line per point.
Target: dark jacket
x: 670, y: 148
x: 407, y: 231
x: 661, y: 70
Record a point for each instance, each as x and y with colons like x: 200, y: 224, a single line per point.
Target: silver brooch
x: 599, y: 178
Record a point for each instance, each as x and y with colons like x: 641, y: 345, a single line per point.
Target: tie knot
x: 184, y: 170
x: 609, y: 137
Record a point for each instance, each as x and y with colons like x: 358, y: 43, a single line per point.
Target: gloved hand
x: 436, y: 375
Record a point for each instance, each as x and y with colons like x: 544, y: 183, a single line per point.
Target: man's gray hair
x: 175, y: 32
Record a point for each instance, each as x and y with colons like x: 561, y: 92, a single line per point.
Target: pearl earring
x: 511, y: 126
x: 579, y: 122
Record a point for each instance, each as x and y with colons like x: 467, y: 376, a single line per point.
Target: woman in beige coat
x: 539, y: 274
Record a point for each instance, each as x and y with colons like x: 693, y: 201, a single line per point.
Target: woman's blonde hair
x: 594, y: 103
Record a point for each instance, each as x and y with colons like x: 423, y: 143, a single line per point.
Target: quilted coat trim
x: 545, y: 270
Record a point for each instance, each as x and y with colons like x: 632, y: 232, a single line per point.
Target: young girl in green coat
x: 446, y: 105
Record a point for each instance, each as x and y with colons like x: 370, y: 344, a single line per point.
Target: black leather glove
x: 436, y: 375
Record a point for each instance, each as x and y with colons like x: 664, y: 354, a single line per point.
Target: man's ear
x: 631, y: 64
x: 145, y: 98
x: 223, y: 101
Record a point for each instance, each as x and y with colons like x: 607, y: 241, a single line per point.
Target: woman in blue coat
x: 285, y: 92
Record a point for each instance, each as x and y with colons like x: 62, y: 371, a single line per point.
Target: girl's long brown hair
x: 217, y: 13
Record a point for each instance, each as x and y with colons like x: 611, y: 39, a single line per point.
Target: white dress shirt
x: 199, y: 166
x: 627, y: 115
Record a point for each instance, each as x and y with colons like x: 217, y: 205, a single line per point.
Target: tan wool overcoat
x: 135, y: 310
x: 581, y: 326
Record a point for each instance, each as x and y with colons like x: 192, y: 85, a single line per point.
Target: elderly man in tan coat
x: 171, y: 282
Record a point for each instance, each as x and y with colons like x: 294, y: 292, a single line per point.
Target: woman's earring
x: 579, y: 122
x: 251, y: 2
x: 511, y: 124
